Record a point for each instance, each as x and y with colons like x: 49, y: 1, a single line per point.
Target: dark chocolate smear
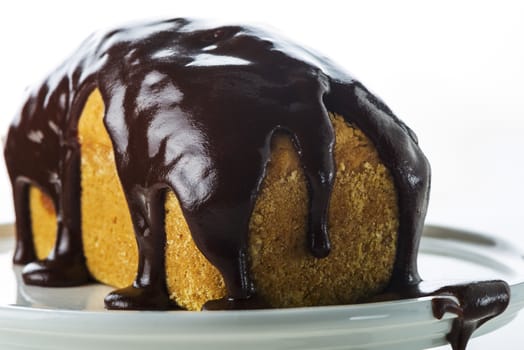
x: 192, y: 107
x: 477, y: 303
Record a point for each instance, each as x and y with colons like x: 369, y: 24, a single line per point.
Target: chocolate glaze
x: 192, y: 107
x: 477, y: 303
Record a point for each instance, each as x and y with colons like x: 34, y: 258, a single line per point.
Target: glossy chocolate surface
x: 192, y: 107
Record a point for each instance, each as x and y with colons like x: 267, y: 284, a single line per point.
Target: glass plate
x: 74, y: 318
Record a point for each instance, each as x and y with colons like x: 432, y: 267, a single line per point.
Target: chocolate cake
x: 221, y: 167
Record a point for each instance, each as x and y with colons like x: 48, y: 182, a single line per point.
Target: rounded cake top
x: 191, y: 106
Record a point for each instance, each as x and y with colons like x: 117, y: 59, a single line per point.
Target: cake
x: 218, y: 167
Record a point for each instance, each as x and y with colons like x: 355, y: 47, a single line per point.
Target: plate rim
x: 7, y: 232
x: 336, y: 316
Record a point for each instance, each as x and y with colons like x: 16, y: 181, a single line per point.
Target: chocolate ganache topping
x: 178, y: 94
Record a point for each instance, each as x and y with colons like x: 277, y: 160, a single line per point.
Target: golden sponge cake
x: 219, y: 167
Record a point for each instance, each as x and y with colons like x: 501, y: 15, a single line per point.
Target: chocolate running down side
x: 177, y: 93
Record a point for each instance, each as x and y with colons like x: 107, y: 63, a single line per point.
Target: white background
x: 453, y: 71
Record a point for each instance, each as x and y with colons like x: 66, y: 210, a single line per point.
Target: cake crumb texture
x: 43, y: 222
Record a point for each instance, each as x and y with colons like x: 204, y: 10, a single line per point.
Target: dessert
x: 220, y: 167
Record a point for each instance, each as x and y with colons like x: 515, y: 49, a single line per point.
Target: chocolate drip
x: 46, y: 138
x: 398, y: 149
x: 477, y: 303
x: 24, y: 249
x: 149, y: 291
x: 192, y: 108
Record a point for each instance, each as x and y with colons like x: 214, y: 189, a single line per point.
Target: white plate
x: 74, y: 318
